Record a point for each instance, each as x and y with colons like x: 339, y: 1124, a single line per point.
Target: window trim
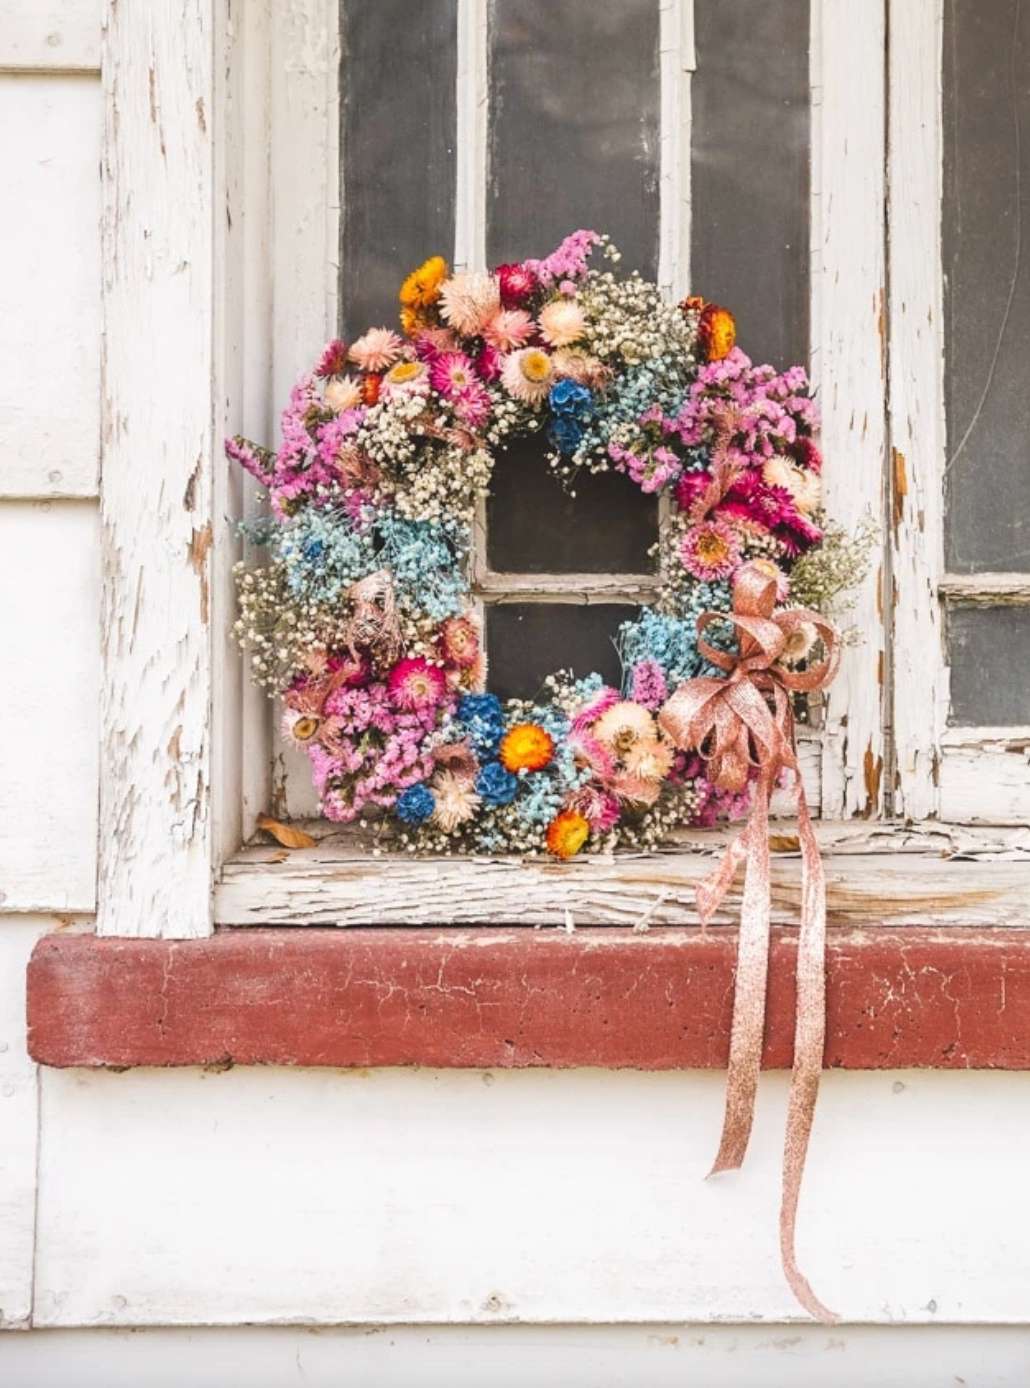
x: 183, y: 771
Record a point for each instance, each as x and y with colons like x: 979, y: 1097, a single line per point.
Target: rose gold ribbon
x: 742, y: 725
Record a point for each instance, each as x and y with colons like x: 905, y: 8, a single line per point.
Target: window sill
x: 954, y: 998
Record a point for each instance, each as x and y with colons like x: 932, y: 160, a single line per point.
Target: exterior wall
x: 572, y: 1202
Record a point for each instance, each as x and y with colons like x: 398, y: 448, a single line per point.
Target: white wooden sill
x: 891, y: 874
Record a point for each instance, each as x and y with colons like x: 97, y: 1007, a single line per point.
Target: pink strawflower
x: 459, y: 641
x: 598, y: 807
x: 690, y: 486
x: 333, y: 359
x: 517, y: 284
x: 710, y: 550
x: 587, y: 750
x: 588, y: 715
x: 432, y: 341
x: 473, y: 405
x: 451, y: 373
x: 508, y: 328
x: 458, y: 758
x: 414, y: 684
x: 378, y: 349
x: 489, y: 363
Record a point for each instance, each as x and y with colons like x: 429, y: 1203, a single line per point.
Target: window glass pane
x: 535, y: 526
x: 529, y: 641
x: 990, y: 665
x: 573, y: 126
x: 573, y: 143
x: 750, y: 170
x: 398, y: 149
x: 986, y: 245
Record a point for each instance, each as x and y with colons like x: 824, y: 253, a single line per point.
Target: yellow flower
x: 422, y: 287
x: 405, y: 372
x: 526, y: 747
x: 567, y: 834
x: 535, y: 365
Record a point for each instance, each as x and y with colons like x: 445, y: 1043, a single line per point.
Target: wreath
x: 362, y: 619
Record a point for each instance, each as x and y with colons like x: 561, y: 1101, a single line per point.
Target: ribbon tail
x: 749, y: 991
x: 809, y: 1041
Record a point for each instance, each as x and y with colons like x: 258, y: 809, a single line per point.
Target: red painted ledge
x: 952, y: 999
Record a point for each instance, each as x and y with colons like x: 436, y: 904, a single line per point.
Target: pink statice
x: 258, y: 462
x: 567, y: 262
x: 301, y: 469
x: 651, y: 470
x: 378, y: 750
x: 769, y: 411
x: 648, y: 685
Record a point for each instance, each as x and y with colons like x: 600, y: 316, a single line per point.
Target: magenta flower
x: 414, y: 684
x: 710, y: 550
x: 451, y: 373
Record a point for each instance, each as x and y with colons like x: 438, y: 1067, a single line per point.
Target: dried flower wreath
x: 363, y: 622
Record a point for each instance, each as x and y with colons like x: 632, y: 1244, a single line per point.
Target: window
x: 801, y: 160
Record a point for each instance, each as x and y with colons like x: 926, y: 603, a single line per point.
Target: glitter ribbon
x: 743, y: 727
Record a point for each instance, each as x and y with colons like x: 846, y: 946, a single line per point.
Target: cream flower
x: 469, y: 301
x: 562, y: 322
x: 376, y: 350
x: 623, y: 724
x: 456, y: 802
x: 574, y: 364
x: 650, y: 758
x: 803, y: 486
x: 342, y: 393
x: 527, y: 375
x: 638, y: 790
x: 799, y: 643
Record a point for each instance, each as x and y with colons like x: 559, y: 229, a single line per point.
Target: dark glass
x: 398, y: 138
x: 989, y: 651
x: 573, y: 126
x: 986, y: 247
x: 529, y: 641
x: 750, y: 155
x: 535, y: 526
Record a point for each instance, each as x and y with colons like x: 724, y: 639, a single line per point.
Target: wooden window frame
x: 231, y: 307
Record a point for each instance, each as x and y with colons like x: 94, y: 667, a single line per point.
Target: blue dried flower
x: 564, y: 433
x: 483, y: 717
x: 495, y: 786
x: 572, y: 400
x: 415, y: 805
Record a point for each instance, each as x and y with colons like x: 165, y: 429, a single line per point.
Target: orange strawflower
x: 716, y: 332
x: 567, y: 834
x: 526, y: 747
x: 370, y: 388
x: 422, y: 287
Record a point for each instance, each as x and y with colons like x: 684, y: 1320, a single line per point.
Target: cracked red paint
x: 661, y: 1000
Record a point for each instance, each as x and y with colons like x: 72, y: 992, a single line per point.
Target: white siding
x: 264, y: 1195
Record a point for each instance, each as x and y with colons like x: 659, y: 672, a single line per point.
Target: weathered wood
x: 50, y: 36
x: 986, y: 590
x: 161, y: 437
x: 50, y: 285
x: 19, y: 1121
x: 849, y: 368
x: 336, y: 884
x: 952, y: 999
x: 916, y: 407
x: 49, y: 583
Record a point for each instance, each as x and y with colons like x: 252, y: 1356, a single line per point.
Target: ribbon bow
x: 743, y: 728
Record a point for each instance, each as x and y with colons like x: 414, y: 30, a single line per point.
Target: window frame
x: 185, y: 770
